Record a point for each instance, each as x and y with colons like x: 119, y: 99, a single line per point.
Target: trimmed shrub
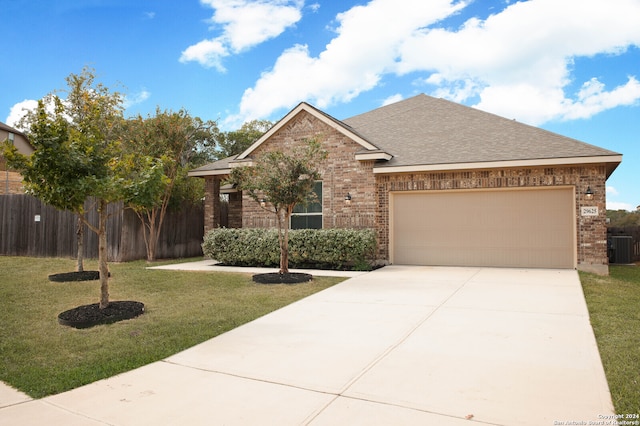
x: 243, y: 246
x: 315, y: 248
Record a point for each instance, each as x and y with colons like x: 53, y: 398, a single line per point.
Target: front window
x: 309, y: 216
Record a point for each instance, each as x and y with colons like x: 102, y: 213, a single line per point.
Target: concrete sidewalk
x: 400, y: 345
x: 208, y: 265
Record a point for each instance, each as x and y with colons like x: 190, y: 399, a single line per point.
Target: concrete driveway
x: 401, y: 345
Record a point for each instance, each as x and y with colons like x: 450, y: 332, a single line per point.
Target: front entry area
x: 530, y: 228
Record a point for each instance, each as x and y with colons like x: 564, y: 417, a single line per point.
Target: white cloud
x: 613, y: 205
x: 593, y: 99
x: 365, y: 48
x: 208, y: 53
x: 19, y: 110
x: 244, y: 24
x: 611, y: 190
x: 392, y: 99
x: 519, y: 59
x: 136, y: 98
x: 517, y: 62
x: 314, y: 7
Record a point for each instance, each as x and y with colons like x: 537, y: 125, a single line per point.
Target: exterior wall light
x: 263, y: 202
x: 589, y: 194
x: 347, y: 198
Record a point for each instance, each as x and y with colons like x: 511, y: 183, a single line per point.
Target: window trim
x: 307, y: 213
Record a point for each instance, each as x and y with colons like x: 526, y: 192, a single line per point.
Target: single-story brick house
x: 443, y: 184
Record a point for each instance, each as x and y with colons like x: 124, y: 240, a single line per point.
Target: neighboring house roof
x: 423, y: 133
x: 9, y: 128
x: 322, y: 116
x: 28, y: 147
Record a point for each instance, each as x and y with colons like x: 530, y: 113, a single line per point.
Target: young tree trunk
x: 80, y: 235
x: 102, y: 254
x: 283, y: 239
x: 154, y: 234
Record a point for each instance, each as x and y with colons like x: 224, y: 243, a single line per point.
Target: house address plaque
x: 589, y: 211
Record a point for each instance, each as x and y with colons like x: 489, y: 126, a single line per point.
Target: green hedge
x: 315, y: 248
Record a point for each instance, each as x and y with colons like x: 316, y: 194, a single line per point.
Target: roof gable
x: 325, y: 118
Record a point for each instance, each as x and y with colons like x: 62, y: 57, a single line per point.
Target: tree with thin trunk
x: 77, y: 156
x: 279, y: 182
x: 49, y: 173
x: 169, y: 140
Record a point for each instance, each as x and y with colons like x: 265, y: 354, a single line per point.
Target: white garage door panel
x: 511, y: 228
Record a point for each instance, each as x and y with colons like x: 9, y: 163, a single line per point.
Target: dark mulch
x: 89, y: 315
x: 75, y: 276
x: 278, y: 278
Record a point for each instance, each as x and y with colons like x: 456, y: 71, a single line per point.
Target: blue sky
x: 568, y: 66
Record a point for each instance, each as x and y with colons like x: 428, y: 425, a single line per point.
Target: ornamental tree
x: 279, y: 182
x: 50, y: 173
x: 172, y: 142
x: 78, y: 155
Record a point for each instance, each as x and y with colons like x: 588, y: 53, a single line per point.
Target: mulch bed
x: 90, y: 315
x: 75, y: 276
x: 278, y: 278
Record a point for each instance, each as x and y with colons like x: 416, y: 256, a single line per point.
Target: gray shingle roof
x: 423, y: 130
x: 223, y: 164
x: 427, y: 132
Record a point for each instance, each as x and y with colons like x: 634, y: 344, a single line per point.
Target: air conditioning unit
x: 622, y: 249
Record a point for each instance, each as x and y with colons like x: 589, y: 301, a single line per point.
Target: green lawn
x: 614, y: 307
x: 40, y: 357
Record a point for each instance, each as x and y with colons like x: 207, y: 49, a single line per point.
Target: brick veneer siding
x: 235, y: 210
x: 11, y: 183
x: 341, y: 174
x: 211, y: 203
x: 591, y: 231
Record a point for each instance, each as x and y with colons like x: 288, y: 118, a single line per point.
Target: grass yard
x: 614, y: 307
x: 40, y: 357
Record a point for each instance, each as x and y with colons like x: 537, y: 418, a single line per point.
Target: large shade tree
x: 236, y: 141
x: 281, y: 181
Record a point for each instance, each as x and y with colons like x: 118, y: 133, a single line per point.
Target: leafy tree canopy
x: 234, y: 142
x: 157, y: 152
x: 75, y: 144
x: 623, y: 218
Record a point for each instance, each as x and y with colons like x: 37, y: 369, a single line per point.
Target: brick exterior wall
x: 11, y: 183
x: 211, y: 203
x: 341, y: 174
x: 235, y: 210
x: 591, y: 230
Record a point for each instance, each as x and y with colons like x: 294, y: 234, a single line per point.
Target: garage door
x: 504, y: 228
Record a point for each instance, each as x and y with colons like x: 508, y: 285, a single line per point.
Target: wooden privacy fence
x: 28, y: 227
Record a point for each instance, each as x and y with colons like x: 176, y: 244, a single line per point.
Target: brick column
x: 235, y: 210
x: 592, y: 229
x: 211, y: 203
